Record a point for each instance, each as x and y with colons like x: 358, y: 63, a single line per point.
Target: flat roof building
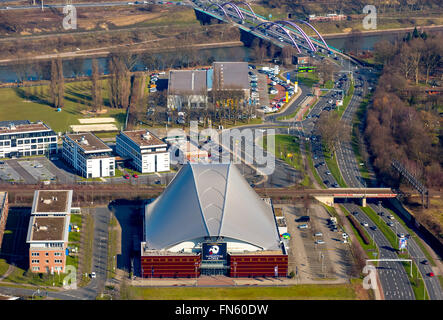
x: 48, y: 230
x: 21, y: 138
x: 207, y: 221
x: 147, y: 152
x: 187, y: 88
x: 88, y: 155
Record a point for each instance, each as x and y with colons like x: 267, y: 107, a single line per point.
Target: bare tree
x: 97, y: 100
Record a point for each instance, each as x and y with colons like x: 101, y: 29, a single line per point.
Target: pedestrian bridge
x: 327, y: 196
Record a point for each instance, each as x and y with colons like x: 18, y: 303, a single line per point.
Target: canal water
x: 82, y: 67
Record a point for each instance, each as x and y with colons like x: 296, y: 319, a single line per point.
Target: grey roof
x: 210, y: 200
x: 234, y: 75
x: 187, y: 81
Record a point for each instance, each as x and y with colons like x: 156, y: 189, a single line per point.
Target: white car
x: 391, y: 217
x: 93, y: 275
x: 303, y: 226
x: 319, y: 242
x: 318, y: 234
x: 344, y: 235
x: 365, y: 224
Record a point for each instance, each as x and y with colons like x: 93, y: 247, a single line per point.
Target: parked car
x: 303, y: 226
x: 320, y: 242
x: 344, y: 235
x: 93, y: 275
x: 318, y: 234
x: 135, y: 176
x: 126, y: 176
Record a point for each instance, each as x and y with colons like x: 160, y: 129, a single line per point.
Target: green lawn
x: 308, y: 78
x: 76, y: 220
x: 3, y: 267
x: 305, y: 292
x: 287, y: 149
x: 33, y: 104
x: 38, y: 279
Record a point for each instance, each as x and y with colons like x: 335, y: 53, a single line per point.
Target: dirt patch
x: 133, y: 19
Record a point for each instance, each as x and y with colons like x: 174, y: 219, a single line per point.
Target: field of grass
x: 3, y: 266
x: 299, y: 292
x: 307, y: 78
x: 37, y: 279
x: 32, y: 103
x: 179, y: 16
x: 287, y: 149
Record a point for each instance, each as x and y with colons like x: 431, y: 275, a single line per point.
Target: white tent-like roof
x: 210, y: 200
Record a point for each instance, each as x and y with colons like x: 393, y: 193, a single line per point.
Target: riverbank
x: 105, y: 51
x: 383, y: 32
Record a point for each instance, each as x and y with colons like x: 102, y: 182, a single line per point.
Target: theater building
x: 210, y: 221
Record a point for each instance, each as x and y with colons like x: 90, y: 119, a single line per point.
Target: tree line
x: 403, y: 121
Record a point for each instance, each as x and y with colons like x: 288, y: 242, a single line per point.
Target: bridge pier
x: 327, y: 200
x: 363, y: 202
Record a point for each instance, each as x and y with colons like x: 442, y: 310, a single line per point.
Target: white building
x: 88, y: 155
x: 148, y: 152
x: 23, y: 138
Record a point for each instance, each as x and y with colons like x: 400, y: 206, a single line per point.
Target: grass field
x: 287, y: 149
x: 32, y: 103
x: 3, y: 266
x: 38, y: 279
x: 300, y: 292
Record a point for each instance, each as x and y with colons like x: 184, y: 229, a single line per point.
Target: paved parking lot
x: 313, y: 262
x: 37, y: 168
x: 7, y: 173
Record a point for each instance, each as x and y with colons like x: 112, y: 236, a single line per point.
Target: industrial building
x: 191, y: 88
x: 89, y: 156
x: 48, y: 230
x: 22, y: 138
x: 147, y: 152
x: 210, y: 221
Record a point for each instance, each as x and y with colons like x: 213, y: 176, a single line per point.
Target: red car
x: 126, y: 176
x: 135, y: 175
x: 431, y: 274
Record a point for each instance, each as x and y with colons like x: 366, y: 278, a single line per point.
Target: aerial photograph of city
x: 192, y: 151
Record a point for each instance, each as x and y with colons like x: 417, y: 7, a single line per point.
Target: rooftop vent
x: 43, y: 228
x: 83, y: 141
x: 12, y: 126
x: 146, y: 135
x: 47, y: 201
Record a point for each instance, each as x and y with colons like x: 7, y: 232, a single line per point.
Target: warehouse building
x: 147, y: 152
x: 210, y: 221
x: 89, y: 156
x: 22, y: 138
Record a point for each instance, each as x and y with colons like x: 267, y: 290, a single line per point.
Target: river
x: 82, y: 67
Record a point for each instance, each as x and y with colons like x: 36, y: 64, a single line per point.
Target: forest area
x: 404, y: 121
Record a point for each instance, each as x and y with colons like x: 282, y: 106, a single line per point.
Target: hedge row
x: 359, y: 229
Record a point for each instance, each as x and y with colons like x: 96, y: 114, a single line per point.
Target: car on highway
x: 431, y: 274
x: 303, y: 226
x: 320, y: 242
x: 157, y: 182
x: 425, y: 262
x: 355, y: 213
x: 391, y: 217
x: 328, y: 172
x: 389, y: 223
x: 374, y: 228
x: 401, y: 235
x: 318, y: 234
x: 364, y: 224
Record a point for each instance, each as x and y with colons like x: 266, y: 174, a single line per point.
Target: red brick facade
x: 258, y: 265
x: 180, y: 266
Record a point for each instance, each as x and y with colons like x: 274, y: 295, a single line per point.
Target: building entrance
x: 213, y: 268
